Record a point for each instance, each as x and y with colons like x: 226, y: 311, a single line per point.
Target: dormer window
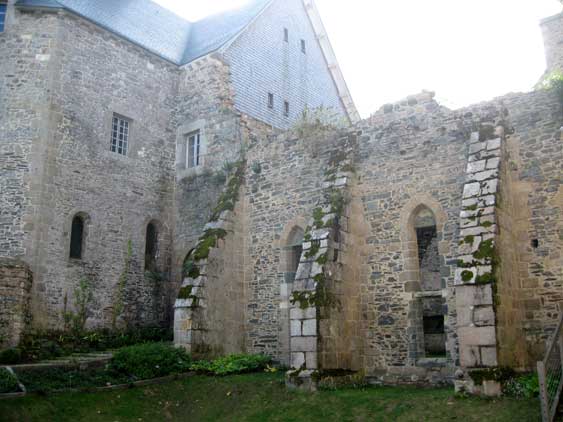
x: 3, y: 11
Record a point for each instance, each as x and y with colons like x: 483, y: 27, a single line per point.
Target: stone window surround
x: 124, y: 125
x: 181, y: 137
x: 410, y: 252
x: 126, y: 112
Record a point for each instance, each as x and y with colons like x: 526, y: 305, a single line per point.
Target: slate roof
x: 160, y: 31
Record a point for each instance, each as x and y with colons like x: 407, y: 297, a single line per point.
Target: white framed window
x: 194, y: 151
x: 303, y: 46
x: 286, y: 108
x: 270, y: 100
x: 3, y: 12
x: 120, y: 134
x: 286, y: 35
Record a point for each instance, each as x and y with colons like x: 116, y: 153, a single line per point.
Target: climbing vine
x: 210, y: 238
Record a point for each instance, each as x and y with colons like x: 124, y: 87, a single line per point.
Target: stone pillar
x: 15, y: 296
x: 475, y: 275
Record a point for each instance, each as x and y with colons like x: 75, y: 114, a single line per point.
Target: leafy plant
x: 233, y: 364
x: 8, y: 382
x: 151, y: 360
x: 524, y: 386
x: 83, y: 295
x: 10, y: 356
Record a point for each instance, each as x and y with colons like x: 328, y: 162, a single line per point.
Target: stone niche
x: 15, y: 288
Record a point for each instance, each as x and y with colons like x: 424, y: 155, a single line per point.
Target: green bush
x: 10, y: 356
x: 48, y: 379
x: 524, y: 386
x: 41, y: 345
x: 233, y: 364
x: 8, y: 382
x: 147, y: 361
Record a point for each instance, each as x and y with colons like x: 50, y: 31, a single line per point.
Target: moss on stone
x: 467, y: 276
x: 186, y: 293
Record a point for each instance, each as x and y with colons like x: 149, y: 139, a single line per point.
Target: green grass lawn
x: 263, y: 397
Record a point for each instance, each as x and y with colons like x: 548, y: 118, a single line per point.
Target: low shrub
x: 8, y: 382
x: 233, y: 364
x: 10, y: 356
x: 42, y: 345
x: 45, y: 380
x: 147, y: 361
x: 524, y: 386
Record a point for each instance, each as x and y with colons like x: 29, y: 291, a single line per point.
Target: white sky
x: 466, y: 50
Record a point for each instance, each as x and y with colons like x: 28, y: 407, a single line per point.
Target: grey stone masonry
x: 15, y: 295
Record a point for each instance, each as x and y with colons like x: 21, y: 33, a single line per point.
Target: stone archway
x: 423, y: 221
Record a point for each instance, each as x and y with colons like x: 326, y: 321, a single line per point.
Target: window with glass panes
x: 194, y: 157
x: 120, y: 134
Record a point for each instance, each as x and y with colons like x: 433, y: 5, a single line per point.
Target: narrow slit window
x: 194, y: 158
x: 286, y: 108
x: 120, y: 135
x: 286, y: 35
x: 270, y: 100
x: 77, y: 237
x: 3, y: 11
x: 151, y: 247
x: 303, y: 46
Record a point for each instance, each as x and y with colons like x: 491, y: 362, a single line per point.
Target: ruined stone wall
x: 15, y: 295
x: 91, y: 75
x: 531, y: 228
x: 205, y: 102
x: 283, y: 186
x: 411, y: 155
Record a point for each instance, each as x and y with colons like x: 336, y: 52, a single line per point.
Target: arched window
x: 428, y: 255
x: 151, y: 247
x: 77, y: 237
x: 294, y: 249
x: 431, y: 281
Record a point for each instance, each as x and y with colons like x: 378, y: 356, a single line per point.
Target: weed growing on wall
x: 118, y: 304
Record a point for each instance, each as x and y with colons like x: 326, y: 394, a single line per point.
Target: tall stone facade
x: 413, y: 246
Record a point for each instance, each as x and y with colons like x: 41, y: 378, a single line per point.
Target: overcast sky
x: 465, y: 50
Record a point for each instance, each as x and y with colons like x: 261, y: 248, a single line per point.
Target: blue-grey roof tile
x: 155, y: 28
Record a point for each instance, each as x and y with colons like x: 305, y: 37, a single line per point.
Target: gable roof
x: 151, y: 26
x: 160, y: 31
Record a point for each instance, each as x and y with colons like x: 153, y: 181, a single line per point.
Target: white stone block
x: 310, y: 327
x: 471, y: 190
x: 489, y: 187
x: 297, y: 360
x: 295, y: 328
x: 493, y: 163
x: 476, y: 166
x: 493, y: 144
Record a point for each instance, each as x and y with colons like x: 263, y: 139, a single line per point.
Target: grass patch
x: 261, y: 397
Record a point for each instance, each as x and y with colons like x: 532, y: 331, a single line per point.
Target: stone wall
x: 25, y: 46
x: 15, y: 289
x: 530, y: 212
x: 72, y: 102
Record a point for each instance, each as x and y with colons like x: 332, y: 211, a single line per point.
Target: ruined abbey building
x: 166, y: 162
